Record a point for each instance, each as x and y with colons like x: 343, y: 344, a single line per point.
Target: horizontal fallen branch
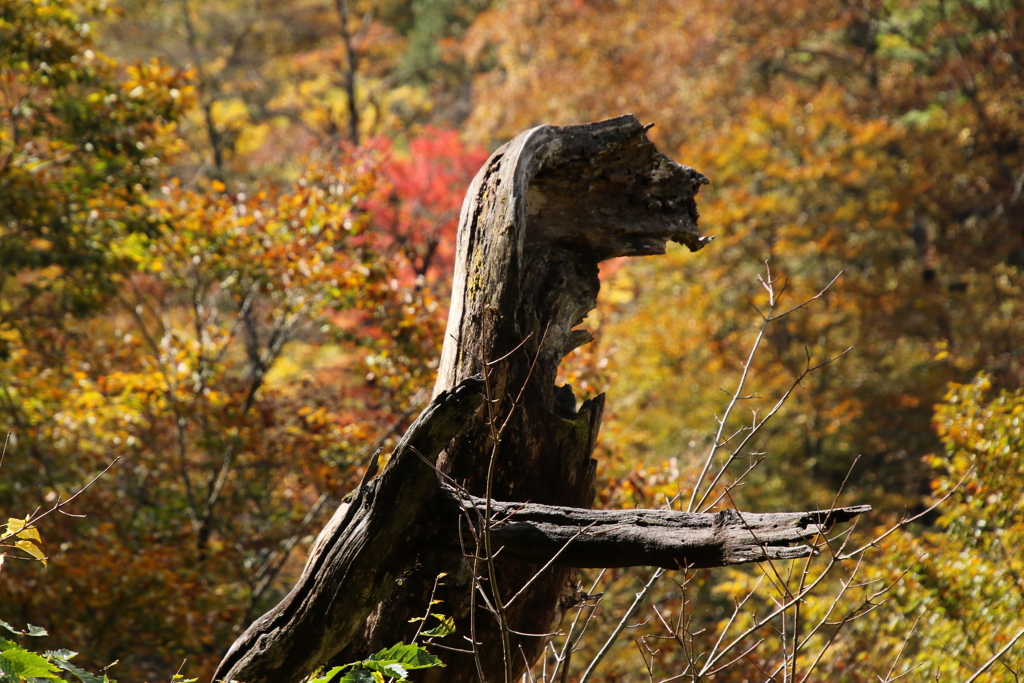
x: 632, y: 538
x: 352, y: 558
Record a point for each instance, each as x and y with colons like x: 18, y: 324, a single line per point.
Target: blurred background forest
x: 226, y: 237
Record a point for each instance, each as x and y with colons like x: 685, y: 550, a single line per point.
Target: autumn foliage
x: 226, y: 233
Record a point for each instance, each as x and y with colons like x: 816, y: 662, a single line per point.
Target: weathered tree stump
x: 537, y: 220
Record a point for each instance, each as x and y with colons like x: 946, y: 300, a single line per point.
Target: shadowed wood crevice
x: 356, y: 556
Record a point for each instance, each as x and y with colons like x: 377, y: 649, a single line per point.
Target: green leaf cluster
x: 19, y: 664
x: 393, y: 663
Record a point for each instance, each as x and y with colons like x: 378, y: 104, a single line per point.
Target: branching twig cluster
x: 774, y: 608
x: 801, y: 607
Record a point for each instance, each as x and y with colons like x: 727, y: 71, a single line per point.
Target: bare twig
x: 7, y: 440
x: 995, y: 658
x: 59, y: 504
x: 903, y: 646
x: 565, y: 656
x: 758, y: 425
x: 610, y: 641
x: 774, y: 295
x: 906, y: 520
x: 550, y: 562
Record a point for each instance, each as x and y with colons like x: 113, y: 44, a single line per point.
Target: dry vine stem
x: 540, y: 216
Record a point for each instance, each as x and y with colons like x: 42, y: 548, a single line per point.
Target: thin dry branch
x: 995, y: 658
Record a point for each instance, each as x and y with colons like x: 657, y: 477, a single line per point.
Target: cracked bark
x: 539, y: 217
x: 581, y: 538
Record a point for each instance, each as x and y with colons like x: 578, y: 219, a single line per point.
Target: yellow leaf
x: 17, y: 528
x: 14, y: 527
x: 32, y: 549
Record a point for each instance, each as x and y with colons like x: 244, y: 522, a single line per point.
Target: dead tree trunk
x: 539, y: 217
